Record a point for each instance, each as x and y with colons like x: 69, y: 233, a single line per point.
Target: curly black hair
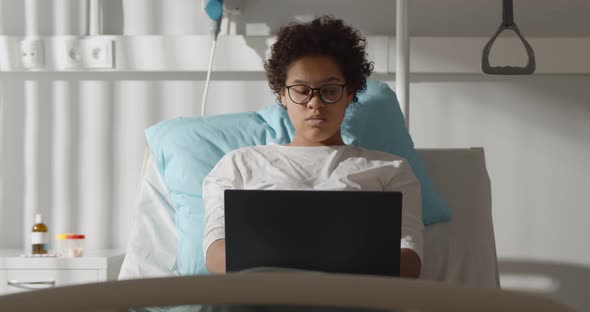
x: 324, y: 36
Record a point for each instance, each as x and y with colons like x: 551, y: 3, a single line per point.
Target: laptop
x: 351, y: 232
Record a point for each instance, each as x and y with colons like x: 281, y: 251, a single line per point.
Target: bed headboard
x: 462, y: 251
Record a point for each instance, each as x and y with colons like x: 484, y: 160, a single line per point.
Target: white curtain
x: 68, y: 156
x: 72, y: 150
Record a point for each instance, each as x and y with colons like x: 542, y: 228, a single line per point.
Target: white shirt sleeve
x: 225, y: 175
x: 405, y: 181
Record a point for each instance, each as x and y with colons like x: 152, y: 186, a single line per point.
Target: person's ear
x: 350, y: 97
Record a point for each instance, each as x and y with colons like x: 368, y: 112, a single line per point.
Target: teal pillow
x: 186, y: 149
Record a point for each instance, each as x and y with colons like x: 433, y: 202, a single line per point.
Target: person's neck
x: 298, y: 141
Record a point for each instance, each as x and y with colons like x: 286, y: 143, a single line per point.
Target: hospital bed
x: 461, y: 252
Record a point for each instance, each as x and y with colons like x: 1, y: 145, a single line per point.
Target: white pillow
x: 153, y: 243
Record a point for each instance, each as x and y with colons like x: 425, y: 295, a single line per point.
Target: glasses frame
x: 312, y: 94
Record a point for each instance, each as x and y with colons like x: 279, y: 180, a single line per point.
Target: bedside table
x: 30, y: 273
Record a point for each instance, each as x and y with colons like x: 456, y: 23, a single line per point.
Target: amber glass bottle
x: 39, y: 237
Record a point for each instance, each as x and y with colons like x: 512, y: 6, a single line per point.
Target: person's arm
x: 224, y: 176
x: 215, y: 258
x: 405, y: 181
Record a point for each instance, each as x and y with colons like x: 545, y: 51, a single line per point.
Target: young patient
x: 316, y: 69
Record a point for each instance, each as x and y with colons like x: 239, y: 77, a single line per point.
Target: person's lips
x: 315, y: 120
x: 316, y: 117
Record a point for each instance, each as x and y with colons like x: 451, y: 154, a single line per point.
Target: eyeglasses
x: 302, y: 94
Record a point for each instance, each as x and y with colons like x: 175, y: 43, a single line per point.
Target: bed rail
x: 299, y: 289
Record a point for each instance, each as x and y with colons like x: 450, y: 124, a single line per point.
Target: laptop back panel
x: 352, y: 232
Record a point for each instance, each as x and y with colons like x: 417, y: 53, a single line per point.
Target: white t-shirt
x: 279, y: 167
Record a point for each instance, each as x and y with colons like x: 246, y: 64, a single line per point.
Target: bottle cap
x: 69, y: 236
x: 38, y: 218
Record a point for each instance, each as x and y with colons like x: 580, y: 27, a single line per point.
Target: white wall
x: 535, y: 130
x: 536, y: 135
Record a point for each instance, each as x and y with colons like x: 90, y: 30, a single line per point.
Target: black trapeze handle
x: 508, y: 23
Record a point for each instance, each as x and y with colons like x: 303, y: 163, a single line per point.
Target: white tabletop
x: 15, y: 259
x: 9, y: 253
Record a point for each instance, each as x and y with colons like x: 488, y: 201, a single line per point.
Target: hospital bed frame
x: 296, y: 289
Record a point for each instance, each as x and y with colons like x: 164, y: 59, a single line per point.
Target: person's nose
x: 315, y: 102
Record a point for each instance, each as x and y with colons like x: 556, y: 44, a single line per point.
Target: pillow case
x: 186, y: 149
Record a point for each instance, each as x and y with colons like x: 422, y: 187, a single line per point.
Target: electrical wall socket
x: 32, y: 54
x: 89, y: 53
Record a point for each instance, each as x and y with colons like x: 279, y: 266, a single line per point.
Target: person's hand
x: 410, y: 264
x: 215, y: 258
